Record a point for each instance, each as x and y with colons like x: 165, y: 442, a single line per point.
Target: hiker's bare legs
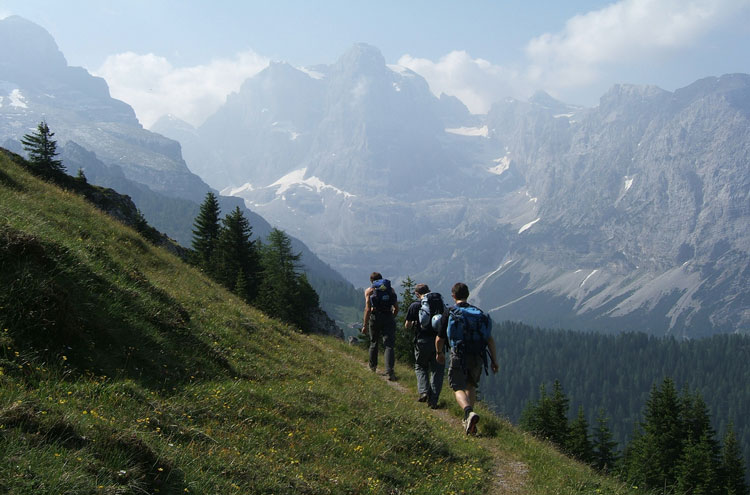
x: 466, y: 398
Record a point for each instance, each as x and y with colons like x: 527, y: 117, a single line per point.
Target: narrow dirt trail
x: 510, y: 476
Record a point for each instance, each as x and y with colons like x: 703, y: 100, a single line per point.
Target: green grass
x: 123, y: 370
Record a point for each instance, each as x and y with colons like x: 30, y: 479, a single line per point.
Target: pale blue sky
x: 183, y: 57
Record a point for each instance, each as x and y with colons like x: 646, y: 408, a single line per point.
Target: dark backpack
x: 431, y: 312
x: 469, y: 329
x: 383, y: 296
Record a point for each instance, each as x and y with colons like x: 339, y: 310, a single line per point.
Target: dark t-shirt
x: 412, y: 314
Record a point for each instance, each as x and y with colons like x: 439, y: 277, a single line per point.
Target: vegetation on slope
x: 125, y: 370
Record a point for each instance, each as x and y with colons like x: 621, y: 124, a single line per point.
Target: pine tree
x: 236, y: 253
x: 405, y: 338
x: 604, y: 453
x: 42, y: 150
x: 579, y: 444
x: 532, y: 416
x: 559, y: 429
x: 697, y: 471
x: 653, y: 456
x: 547, y: 418
x: 206, y: 233
x: 733, y: 465
x: 281, y: 294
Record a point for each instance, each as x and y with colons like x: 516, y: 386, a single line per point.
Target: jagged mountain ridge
x: 102, y: 136
x: 632, y: 215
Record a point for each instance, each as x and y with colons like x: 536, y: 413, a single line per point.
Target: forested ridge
x: 616, y: 373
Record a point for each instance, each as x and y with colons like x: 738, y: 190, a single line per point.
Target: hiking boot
x: 423, y: 398
x: 470, y: 423
x: 391, y: 376
x: 433, y: 405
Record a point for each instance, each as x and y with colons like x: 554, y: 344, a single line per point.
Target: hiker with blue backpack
x: 381, y: 308
x: 468, y: 332
x: 425, y: 316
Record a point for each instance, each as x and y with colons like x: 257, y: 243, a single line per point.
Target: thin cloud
x: 621, y: 33
x: 153, y: 87
x: 476, y: 82
x: 582, y: 55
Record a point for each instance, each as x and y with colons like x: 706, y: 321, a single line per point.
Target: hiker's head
x: 460, y: 291
x: 375, y: 276
x: 421, y: 289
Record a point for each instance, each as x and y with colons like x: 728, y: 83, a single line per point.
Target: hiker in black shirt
x: 428, y: 370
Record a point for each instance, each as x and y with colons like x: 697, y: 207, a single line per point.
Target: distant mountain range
x: 632, y: 215
x: 102, y: 136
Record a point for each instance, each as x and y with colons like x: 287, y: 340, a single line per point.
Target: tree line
x: 266, y: 274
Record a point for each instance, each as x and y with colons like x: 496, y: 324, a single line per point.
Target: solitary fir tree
x: 579, y: 444
x: 604, y: 448
x: 405, y: 340
x: 284, y: 293
x: 547, y: 418
x: 236, y: 255
x: 42, y: 150
x: 733, y: 465
x: 652, y: 457
x: 206, y: 233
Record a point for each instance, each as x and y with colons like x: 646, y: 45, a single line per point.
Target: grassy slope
x: 123, y: 370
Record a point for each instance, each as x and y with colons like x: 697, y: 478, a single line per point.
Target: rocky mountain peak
x: 27, y: 49
x: 361, y: 59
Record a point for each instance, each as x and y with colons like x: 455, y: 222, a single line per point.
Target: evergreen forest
x: 612, y: 377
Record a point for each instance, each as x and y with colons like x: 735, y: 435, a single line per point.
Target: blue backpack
x: 431, y: 312
x: 383, y: 297
x: 469, y: 329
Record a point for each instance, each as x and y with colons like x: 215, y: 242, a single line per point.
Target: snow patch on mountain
x: 503, y: 164
x: 470, y: 131
x: 312, y: 73
x: 628, y: 183
x: 528, y: 226
x: 297, y: 178
x: 237, y: 191
x: 17, y: 99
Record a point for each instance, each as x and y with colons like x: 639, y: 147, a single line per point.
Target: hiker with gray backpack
x: 424, y: 316
x: 468, y: 332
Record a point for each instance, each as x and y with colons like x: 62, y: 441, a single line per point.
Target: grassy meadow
x: 125, y: 370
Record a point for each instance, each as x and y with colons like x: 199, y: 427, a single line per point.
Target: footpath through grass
x: 123, y: 370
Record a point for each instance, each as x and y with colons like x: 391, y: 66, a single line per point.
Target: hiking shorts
x: 465, y: 371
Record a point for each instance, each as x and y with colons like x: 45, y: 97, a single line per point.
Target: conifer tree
x: 42, y: 150
x: 236, y: 254
x: 653, y: 456
x: 284, y: 293
x: 547, y: 418
x: 559, y: 403
x: 579, y: 444
x: 733, y: 466
x: 405, y: 338
x: 206, y: 233
x: 604, y: 453
x: 697, y: 471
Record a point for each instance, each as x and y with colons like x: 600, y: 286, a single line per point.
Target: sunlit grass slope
x: 124, y: 370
